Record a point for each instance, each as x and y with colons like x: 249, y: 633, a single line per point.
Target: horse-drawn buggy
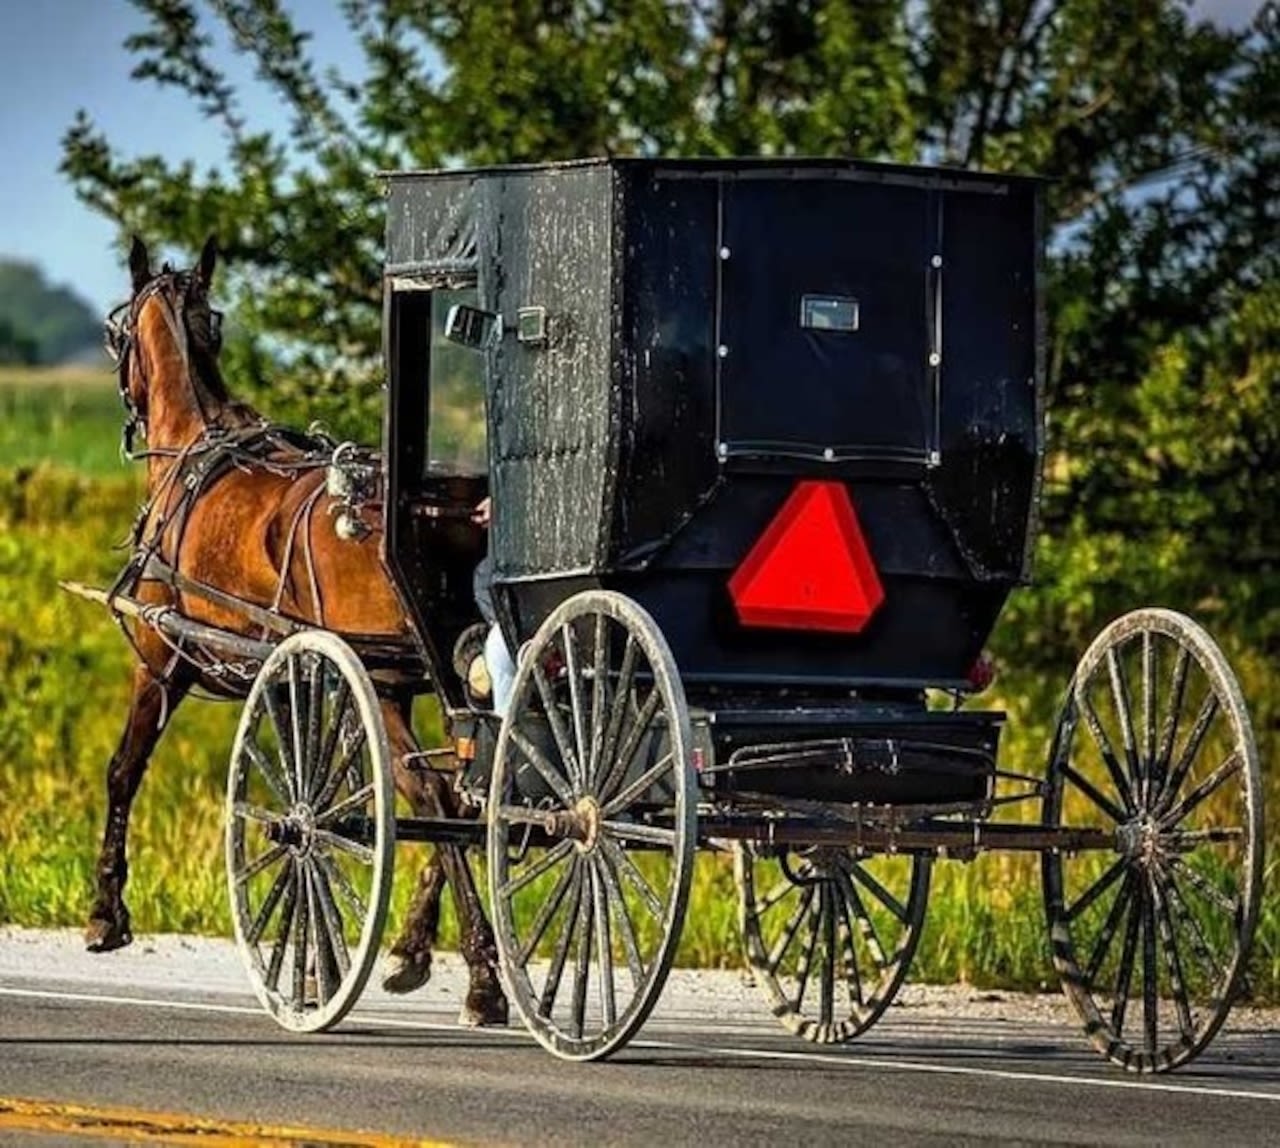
x: 763, y: 441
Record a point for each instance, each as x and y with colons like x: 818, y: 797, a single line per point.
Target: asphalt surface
x: 169, y: 1026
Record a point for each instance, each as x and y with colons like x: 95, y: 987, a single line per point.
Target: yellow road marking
x: 137, y: 1126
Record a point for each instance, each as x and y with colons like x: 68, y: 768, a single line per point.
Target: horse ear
x: 139, y: 264
x: 208, y: 258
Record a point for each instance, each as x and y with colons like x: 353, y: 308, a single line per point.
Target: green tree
x: 40, y: 323
x: 1157, y: 131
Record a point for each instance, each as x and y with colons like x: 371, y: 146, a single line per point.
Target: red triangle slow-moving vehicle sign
x: 810, y: 569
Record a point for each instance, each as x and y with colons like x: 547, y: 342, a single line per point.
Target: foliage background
x: 1158, y: 132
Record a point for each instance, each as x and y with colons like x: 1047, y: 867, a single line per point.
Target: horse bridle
x: 175, y: 289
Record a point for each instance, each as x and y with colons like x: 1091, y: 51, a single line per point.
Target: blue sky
x: 57, y: 56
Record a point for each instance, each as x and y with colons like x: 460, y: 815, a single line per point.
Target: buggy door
x: 827, y: 312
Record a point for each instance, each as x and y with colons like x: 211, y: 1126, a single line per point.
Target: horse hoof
x: 406, y: 972
x: 102, y: 935
x: 484, y: 1010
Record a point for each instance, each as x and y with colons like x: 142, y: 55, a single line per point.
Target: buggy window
x: 456, y: 419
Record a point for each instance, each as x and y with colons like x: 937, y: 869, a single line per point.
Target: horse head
x: 165, y: 341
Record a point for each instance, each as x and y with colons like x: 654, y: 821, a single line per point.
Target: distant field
x: 72, y: 415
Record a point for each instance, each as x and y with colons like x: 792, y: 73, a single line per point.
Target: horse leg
x: 430, y: 796
x: 109, y: 926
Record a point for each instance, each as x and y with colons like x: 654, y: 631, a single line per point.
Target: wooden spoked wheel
x: 829, y: 935
x: 591, y: 825
x: 1154, y: 743
x: 310, y: 831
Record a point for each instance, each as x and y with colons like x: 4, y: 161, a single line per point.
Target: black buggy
x: 764, y: 442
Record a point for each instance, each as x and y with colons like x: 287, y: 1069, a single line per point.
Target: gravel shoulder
x: 168, y: 964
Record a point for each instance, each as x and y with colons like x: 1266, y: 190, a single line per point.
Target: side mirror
x: 471, y: 327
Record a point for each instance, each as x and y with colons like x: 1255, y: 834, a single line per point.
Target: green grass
x: 72, y: 416
x: 63, y: 675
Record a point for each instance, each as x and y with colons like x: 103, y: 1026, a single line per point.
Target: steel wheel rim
x: 309, y: 886
x: 583, y: 911
x: 1173, y: 912
x: 821, y: 938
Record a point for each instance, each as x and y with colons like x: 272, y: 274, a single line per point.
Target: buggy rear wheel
x: 591, y: 825
x: 830, y: 935
x: 1154, y: 742
x: 310, y: 831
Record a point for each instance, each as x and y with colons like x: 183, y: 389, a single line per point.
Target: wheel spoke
x: 548, y: 772
x: 546, y: 911
x: 277, y: 782
x: 339, y: 880
x: 865, y: 925
x: 322, y: 951
x: 617, y: 710
x: 600, y: 676
x: 283, y: 933
x: 578, y: 765
x: 776, y: 894
x: 1100, y: 886
x: 558, y: 852
x: 1087, y: 788
x: 1100, y: 739
x: 263, y: 861
x: 1150, y: 974
x: 284, y: 745
x: 1187, y: 805
x: 332, y: 919
x: 314, y: 714
x: 250, y: 812
x: 1207, y: 889
x: 1208, y: 710
x: 1169, y: 731
x: 551, y: 987
x: 344, y: 770
x: 811, y: 945
x: 1150, y: 672
x: 300, y: 940
x: 637, y: 831
x: 296, y: 705
x: 324, y: 772
x: 826, y: 993
x: 1102, y: 943
x: 555, y: 719
x: 618, y: 768
x: 604, y: 947
x: 853, y: 980
x: 356, y: 849
x: 629, y: 943
x: 881, y: 894
x: 1173, y: 959
x: 582, y: 963
x: 783, y: 943
x: 627, y: 868
x: 1124, y: 976
x: 283, y: 879
x: 651, y: 776
x: 1200, y: 946
x: 357, y: 800
x: 1123, y: 704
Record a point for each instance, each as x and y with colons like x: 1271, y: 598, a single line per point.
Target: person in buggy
x: 498, y: 662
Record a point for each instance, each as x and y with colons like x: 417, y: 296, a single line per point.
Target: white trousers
x: 502, y: 669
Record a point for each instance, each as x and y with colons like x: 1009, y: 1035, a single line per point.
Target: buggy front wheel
x: 591, y: 825
x: 310, y: 831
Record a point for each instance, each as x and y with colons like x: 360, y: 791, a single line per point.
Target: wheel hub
x: 1142, y: 842
x: 296, y: 830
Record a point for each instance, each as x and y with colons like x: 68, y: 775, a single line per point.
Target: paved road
x: 169, y: 1027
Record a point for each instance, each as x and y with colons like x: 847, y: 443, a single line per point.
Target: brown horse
x: 256, y: 532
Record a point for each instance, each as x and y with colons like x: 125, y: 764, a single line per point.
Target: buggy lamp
x: 810, y: 569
